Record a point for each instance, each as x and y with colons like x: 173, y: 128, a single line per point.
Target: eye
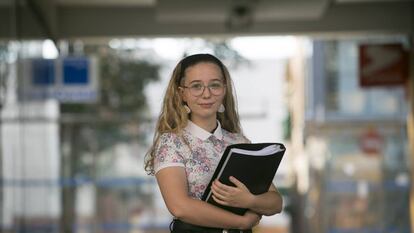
x: 215, y: 85
x: 196, y: 86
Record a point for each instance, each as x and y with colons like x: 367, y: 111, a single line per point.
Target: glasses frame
x: 204, y: 88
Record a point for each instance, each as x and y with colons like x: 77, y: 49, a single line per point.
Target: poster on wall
x: 382, y: 65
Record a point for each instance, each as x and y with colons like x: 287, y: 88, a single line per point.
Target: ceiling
x: 68, y: 19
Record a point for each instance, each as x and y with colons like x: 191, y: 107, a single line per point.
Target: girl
x: 197, y: 121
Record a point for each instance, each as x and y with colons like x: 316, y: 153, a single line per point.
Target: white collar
x: 202, y: 133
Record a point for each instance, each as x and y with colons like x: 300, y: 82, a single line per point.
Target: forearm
x: 203, y: 214
x: 268, y: 203
x: 172, y: 183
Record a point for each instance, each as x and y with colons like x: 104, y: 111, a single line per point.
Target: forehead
x: 203, y: 71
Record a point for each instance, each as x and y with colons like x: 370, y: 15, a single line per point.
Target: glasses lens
x: 216, y: 88
x: 196, y: 89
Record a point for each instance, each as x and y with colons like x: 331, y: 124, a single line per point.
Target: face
x: 203, y: 90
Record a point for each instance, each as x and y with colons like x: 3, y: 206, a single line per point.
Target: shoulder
x: 234, y: 137
x: 172, y: 140
x: 164, y: 137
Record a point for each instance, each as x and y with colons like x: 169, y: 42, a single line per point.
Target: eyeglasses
x: 197, y: 89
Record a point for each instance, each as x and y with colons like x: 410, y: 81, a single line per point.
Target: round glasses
x: 197, y: 89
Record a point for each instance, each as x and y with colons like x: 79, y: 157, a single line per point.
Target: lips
x: 206, y: 105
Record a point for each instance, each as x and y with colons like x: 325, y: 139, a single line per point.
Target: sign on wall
x: 68, y: 79
x: 371, y: 142
x: 382, y: 65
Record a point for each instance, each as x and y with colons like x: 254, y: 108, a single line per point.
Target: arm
x: 173, y: 185
x: 268, y: 203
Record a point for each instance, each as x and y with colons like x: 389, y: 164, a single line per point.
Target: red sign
x: 382, y: 65
x: 371, y: 142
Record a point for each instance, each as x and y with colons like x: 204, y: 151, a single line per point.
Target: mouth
x: 206, y: 105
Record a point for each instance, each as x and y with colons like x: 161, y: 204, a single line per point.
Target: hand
x: 250, y: 219
x: 238, y: 196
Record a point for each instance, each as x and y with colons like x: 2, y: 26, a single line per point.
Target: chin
x: 206, y: 114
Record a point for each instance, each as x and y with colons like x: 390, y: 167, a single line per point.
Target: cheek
x: 221, y: 99
x: 190, y: 100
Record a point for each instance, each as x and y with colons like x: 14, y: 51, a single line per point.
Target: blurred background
x: 81, y: 85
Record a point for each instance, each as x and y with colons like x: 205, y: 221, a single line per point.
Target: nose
x: 206, y: 92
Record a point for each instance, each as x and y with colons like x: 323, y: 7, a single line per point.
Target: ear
x: 182, y: 94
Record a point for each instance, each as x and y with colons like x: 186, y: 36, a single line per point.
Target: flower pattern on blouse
x: 201, y: 160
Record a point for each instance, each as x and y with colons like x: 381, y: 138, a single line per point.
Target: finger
x: 220, y: 196
x: 221, y: 202
x: 228, y: 190
x: 222, y: 186
x: 219, y: 190
x: 236, y: 182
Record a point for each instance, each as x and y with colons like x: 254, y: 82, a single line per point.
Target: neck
x: 206, y: 124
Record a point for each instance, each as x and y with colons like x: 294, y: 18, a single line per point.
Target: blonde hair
x: 174, y: 118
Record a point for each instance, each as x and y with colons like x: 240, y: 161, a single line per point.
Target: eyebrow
x: 199, y: 81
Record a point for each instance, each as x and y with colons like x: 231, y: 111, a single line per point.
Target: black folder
x: 253, y: 164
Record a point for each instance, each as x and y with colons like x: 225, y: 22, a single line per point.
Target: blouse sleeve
x: 167, y: 153
x: 244, y: 139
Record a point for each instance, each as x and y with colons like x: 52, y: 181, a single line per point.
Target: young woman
x: 197, y: 121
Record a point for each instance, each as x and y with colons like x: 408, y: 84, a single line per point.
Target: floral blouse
x: 199, y: 154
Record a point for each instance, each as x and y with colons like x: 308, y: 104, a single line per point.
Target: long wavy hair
x: 174, y: 118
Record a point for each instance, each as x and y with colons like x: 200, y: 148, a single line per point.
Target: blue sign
x: 67, y: 79
x: 75, y: 71
x: 43, y: 72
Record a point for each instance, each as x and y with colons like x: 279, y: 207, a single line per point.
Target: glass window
x: 336, y: 71
x: 367, y: 192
